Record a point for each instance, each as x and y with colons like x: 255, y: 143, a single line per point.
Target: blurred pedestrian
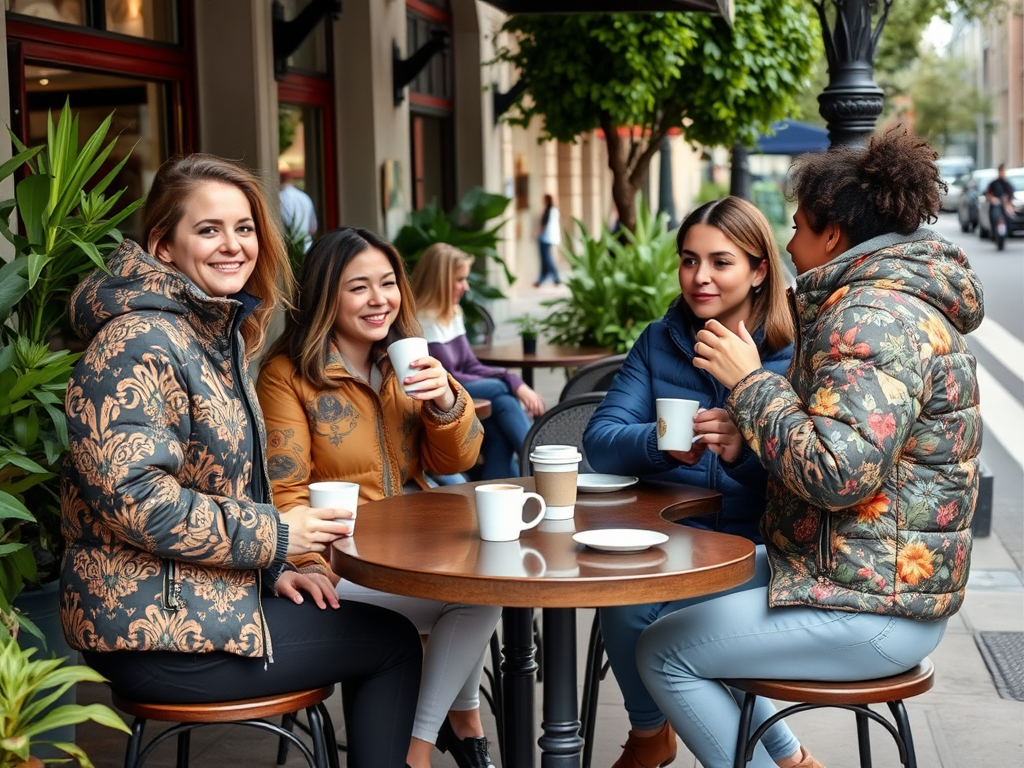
x: 549, y: 234
x: 297, y: 213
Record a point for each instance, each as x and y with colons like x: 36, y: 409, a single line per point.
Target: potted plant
x: 466, y: 227
x: 28, y: 690
x: 66, y: 229
x: 529, y: 329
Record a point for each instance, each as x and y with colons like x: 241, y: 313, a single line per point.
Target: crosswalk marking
x: 1001, y: 344
x: 1002, y: 414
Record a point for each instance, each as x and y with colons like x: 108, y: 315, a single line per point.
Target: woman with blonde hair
x: 729, y: 271
x: 175, y: 585
x: 439, y: 282
x: 336, y: 410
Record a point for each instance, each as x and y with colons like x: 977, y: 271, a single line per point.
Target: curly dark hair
x: 891, y: 185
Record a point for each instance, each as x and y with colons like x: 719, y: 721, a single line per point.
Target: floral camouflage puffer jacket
x: 165, y: 488
x: 872, y: 442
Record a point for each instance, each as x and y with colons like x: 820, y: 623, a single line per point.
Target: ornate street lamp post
x: 852, y: 101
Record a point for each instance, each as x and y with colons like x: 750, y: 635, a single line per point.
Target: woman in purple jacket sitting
x: 440, y: 280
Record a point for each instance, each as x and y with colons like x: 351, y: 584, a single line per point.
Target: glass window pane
x: 149, y: 19
x: 301, y: 151
x: 140, y: 120
x: 66, y: 11
x: 311, y: 55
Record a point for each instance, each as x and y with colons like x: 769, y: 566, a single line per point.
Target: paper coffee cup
x: 555, y: 468
x: 675, y: 423
x: 336, y: 495
x: 402, y: 353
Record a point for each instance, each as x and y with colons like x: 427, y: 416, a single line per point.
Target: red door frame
x: 82, y: 48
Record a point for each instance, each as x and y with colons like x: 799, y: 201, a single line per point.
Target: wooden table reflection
x: 511, y: 355
x: 428, y: 545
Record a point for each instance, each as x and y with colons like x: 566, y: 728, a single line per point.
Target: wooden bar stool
x: 249, y: 712
x: 854, y: 696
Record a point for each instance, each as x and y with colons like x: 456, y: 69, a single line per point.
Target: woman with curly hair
x: 871, y: 444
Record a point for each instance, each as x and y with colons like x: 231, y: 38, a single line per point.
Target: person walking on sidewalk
x: 549, y: 235
x: 871, y: 445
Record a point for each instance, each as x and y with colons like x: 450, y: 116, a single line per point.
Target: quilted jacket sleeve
x: 159, y: 453
x: 833, y: 434
x: 451, y: 441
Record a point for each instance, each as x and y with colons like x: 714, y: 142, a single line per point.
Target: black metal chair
x: 593, y: 377
x: 561, y: 425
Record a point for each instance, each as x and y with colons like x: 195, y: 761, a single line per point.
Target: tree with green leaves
x: 638, y: 76
x: 937, y: 117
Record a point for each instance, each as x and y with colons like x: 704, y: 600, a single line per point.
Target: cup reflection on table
x: 510, y: 558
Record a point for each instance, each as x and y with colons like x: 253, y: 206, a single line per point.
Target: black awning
x: 720, y: 7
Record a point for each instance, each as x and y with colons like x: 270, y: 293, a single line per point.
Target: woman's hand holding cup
x: 312, y: 529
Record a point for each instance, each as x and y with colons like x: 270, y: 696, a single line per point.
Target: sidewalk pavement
x: 963, y: 722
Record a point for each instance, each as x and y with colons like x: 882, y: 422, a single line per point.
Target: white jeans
x: 453, y: 660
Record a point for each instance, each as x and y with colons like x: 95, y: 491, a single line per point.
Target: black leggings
x: 375, y: 654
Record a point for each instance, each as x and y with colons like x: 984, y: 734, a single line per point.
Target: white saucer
x: 620, y: 539
x: 598, y: 483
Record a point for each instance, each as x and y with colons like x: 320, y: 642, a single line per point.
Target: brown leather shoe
x: 648, y: 751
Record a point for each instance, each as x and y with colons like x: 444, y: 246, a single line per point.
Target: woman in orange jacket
x: 335, y: 410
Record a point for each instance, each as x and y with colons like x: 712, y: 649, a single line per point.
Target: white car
x: 951, y: 169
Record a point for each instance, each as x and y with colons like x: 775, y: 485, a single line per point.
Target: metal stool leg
x: 899, y: 714
x: 288, y: 723
x: 863, y: 740
x: 131, y: 755
x: 743, y: 735
x: 591, y: 685
x: 184, y: 744
x: 316, y: 732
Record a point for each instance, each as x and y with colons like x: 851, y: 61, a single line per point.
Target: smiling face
x: 716, y: 276
x: 368, y: 303
x: 214, y: 244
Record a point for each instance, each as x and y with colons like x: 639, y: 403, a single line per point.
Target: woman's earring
x: 758, y: 287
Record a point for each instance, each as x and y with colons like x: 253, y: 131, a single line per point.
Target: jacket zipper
x: 825, y: 542
x: 172, y: 589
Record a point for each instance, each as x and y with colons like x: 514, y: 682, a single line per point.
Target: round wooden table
x: 511, y: 355
x: 428, y: 545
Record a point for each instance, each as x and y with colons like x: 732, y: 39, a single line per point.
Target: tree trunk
x: 623, y: 189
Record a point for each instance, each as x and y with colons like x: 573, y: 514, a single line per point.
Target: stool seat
x: 854, y: 696
x: 225, y: 711
x: 911, y: 683
x: 242, y: 712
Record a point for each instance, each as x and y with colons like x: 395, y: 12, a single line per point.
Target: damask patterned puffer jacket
x: 872, y: 442
x: 165, y: 493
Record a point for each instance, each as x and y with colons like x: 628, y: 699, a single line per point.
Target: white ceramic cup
x: 499, y: 511
x: 555, y: 469
x: 510, y: 558
x: 402, y: 353
x: 675, y: 423
x: 336, y: 494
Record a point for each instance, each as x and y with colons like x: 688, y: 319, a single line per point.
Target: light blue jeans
x: 682, y: 657
x: 504, y: 430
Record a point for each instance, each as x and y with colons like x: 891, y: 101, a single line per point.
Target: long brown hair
x: 307, y: 332
x: 745, y: 225
x: 433, y: 280
x: 271, y: 279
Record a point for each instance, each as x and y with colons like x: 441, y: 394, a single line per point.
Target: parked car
x: 967, y: 209
x: 950, y: 169
x: 1015, y: 221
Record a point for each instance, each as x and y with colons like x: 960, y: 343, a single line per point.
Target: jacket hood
x: 137, y: 282
x: 922, y: 264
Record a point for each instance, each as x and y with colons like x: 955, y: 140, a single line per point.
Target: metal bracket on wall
x: 404, y: 71
x: 288, y: 35
x: 503, y: 101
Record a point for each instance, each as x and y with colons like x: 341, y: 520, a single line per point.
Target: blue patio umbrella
x: 792, y: 138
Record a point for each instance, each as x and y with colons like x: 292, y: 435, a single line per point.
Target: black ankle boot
x: 468, y: 753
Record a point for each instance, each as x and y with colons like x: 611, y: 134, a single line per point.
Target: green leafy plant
x: 467, y: 226
x: 66, y: 231
x: 529, y: 326
x: 28, y: 689
x: 618, y: 285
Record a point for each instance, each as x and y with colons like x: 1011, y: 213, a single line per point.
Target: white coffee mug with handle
x: 675, y: 423
x: 499, y: 511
